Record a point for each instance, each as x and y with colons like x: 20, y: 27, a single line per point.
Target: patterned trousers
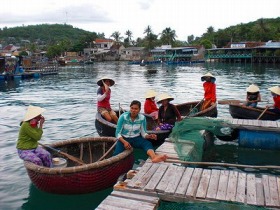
x: 38, y: 156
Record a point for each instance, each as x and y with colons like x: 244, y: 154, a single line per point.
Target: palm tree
x: 128, y: 33
x: 148, y: 30
x: 117, y: 36
x: 168, y: 36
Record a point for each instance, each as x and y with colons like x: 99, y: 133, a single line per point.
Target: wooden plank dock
x: 152, y: 182
x: 261, y: 125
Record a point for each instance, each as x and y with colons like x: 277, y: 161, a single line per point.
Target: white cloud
x: 183, y: 16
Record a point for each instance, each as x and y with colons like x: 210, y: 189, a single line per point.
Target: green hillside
x: 261, y: 30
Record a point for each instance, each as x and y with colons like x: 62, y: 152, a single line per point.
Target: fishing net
x: 189, y: 139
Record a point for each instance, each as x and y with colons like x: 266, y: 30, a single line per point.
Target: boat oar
x: 77, y: 160
x: 109, y: 150
x: 195, y: 107
x: 262, y: 113
x: 222, y: 164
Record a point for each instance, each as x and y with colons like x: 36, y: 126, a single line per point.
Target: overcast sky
x: 186, y: 17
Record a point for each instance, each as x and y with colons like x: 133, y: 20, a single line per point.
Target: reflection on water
x: 9, y: 85
x: 70, y: 100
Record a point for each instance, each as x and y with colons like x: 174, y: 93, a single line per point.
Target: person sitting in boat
x: 103, y: 99
x: 168, y: 113
x: 31, y: 130
x: 209, y: 87
x: 150, y: 106
x: 275, y: 92
x: 253, y: 96
x: 131, y: 132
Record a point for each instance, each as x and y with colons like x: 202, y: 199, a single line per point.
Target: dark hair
x: 135, y: 102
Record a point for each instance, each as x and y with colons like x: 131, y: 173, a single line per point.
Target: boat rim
x: 81, y: 168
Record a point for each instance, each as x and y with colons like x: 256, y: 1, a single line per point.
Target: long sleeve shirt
x: 209, y: 91
x: 276, y: 100
x: 170, y: 115
x: 28, y: 136
x: 150, y: 106
x: 128, y: 128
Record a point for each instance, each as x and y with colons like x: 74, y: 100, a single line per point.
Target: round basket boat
x: 93, y: 176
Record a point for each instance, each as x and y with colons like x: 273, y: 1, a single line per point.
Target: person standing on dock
x: 103, y: 100
x: 31, y: 131
x: 150, y: 106
x: 209, y: 87
x: 275, y: 92
x: 253, y: 96
x: 131, y: 132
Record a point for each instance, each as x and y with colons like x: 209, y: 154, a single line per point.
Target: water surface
x: 70, y: 100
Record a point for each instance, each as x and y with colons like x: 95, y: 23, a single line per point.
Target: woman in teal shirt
x: 30, y: 133
x: 131, y: 132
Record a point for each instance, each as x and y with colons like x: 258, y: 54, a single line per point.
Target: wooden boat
x: 191, y: 109
x: 93, y: 176
x: 244, y: 112
x: 105, y: 128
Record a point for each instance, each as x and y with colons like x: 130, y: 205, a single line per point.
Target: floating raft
x: 258, y: 134
x: 260, y: 125
x: 177, y: 183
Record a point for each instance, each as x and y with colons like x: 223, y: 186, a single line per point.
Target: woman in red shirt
x: 103, y: 99
x: 209, y: 90
x: 150, y: 106
x: 275, y: 92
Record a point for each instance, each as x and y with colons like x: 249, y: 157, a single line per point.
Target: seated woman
x: 31, y: 130
x: 103, y: 99
x: 131, y: 132
x: 275, y: 92
x: 253, y: 96
x: 150, y: 106
x: 168, y: 113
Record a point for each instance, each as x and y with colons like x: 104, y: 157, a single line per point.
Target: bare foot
x: 159, y: 158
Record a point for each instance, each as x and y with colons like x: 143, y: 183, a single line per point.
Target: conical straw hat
x: 207, y: 75
x: 275, y: 89
x: 150, y: 94
x: 253, y: 89
x: 164, y: 96
x: 33, y: 111
x: 100, y: 83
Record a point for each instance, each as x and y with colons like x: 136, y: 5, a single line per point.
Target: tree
x: 206, y: 43
x: 148, y: 30
x: 168, y: 36
x: 190, y: 39
x: 150, y: 39
x: 128, y: 33
x: 117, y: 36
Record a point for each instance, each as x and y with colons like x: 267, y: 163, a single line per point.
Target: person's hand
x: 151, y: 136
x: 42, y: 120
x: 126, y: 145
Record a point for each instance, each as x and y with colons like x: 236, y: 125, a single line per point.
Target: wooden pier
x: 261, y: 125
x: 153, y: 182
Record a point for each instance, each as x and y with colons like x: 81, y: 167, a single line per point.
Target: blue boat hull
x: 259, y: 139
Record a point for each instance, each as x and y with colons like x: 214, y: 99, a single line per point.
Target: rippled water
x: 70, y: 100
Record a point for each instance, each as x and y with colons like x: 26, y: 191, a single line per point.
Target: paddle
x: 221, y: 164
x: 109, y: 150
x: 262, y: 113
x: 194, y: 107
x: 77, y: 160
